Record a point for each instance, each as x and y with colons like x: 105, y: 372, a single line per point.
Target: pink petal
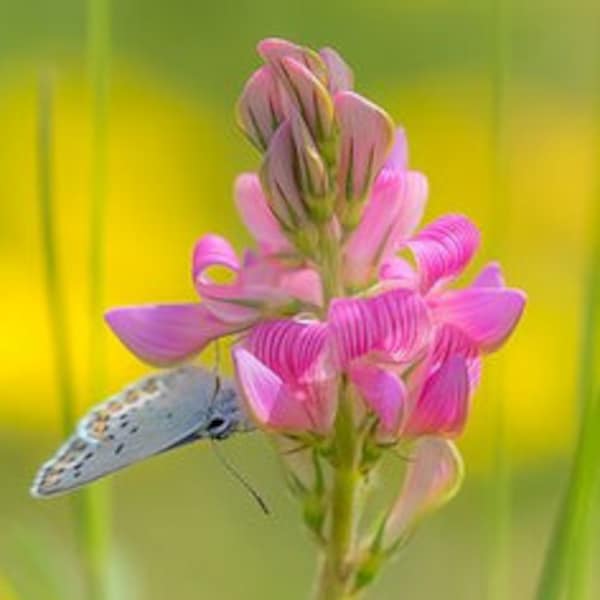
x: 490, y: 276
x: 229, y: 302
x: 398, y: 157
x: 278, y: 176
x: 395, y: 208
x: 339, y: 74
x: 267, y: 396
x: 392, y: 324
x: 443, y: 249
x: 383, y: 391
x: 486, y: 315
x: 259, y: 109
x: 308, y: 96
x: 164, y: 334
x: 273, y: 50
x: 256, y: 214
x: 290, y: 347
x: 443, y: 404
x: 433, y: 477
x: 450, y: 341
x: 296, y: 352
x: 400, y: 271
x: 366, y: 137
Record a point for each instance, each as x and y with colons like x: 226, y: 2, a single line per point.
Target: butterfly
x: 158, y: 413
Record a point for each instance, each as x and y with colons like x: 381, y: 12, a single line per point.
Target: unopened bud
x: 259, y: 109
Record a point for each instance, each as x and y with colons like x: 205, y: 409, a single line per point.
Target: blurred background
x: 182, y: 528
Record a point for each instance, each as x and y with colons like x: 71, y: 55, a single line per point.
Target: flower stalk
x: 352, y: 343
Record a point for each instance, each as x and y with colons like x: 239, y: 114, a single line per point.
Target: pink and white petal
x: 394, y: 325
x: 366, y: 138
x: 443, y: 249
x: 292, y: 348
x: 395, y: 208
x: 490, y: 276
x: 259, y: 110
x: 267, y: 395
x: 164, y: 334
x: 486, y: 315
x: 257, y: 216
x: 433, y: 477
x: 304, y: 285
x: 398, y: 158
x: 443, y: 404
x: 383, y: 391
x: 339, y: 74
x: 274, y: 50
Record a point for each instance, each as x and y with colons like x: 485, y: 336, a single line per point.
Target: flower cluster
x: 341, y: 301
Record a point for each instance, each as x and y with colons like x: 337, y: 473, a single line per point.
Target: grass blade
x: 565, y: 571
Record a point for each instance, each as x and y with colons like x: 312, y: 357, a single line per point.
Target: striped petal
x: 165, y: 334
x: 394, y: 325
x: 443, y: 249
x: 442, y: 406
x: 339, y: 74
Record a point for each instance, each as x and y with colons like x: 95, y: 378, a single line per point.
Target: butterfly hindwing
x: 151, y: 416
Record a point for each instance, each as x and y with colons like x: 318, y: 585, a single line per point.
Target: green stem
x: 566, y: 568
x: 95, y: 532
x: 337, y: 569
x: 55, y: 299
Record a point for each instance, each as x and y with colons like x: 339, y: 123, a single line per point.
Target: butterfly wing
x: 150, y: 416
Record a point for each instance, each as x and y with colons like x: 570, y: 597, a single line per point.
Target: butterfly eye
x: 218, y: 427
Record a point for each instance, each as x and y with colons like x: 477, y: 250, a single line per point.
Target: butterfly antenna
x: 230, y: 468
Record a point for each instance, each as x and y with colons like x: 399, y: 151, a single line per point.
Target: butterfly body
x: 156, y: 414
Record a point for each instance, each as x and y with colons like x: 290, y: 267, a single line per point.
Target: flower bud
x: 339, y: 74
x: 259, y: 109
x: 273, y: 50
x: 308, y: 96
x: 366, y: 138
x: 296, y: 183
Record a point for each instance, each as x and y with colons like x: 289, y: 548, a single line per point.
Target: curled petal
x: 395, y: 208
x: 394, y: 325
x: 339, y: 74
x: 490, y: 276
x: 486, y: 315
x: 433, y: 477
x: 443, y: 404
x: 165, y: 334
x: 256, y: 214
x: 366, y: 137
x: 308, y: 96
x: 398, y: 157
x: 443, y: 249
x: 259, y: 109
x: 384, y: 392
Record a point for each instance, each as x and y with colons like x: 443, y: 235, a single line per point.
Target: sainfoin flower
x: 345, y: 314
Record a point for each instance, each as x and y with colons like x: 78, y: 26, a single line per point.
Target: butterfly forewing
x: 154, y: 414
